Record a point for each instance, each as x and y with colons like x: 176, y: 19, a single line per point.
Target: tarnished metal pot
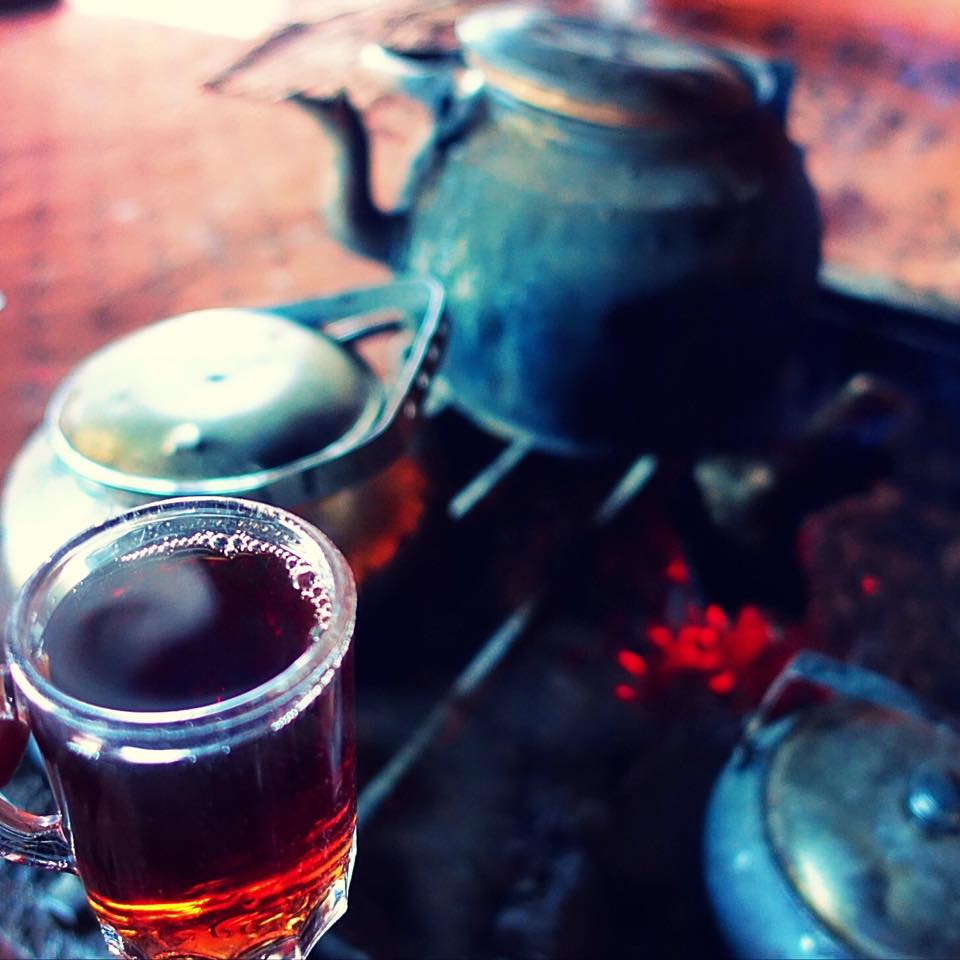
x: 619, y: 219
x: 834, y: 831
x: 272, y: 404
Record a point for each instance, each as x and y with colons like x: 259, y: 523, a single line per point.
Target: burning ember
x: 731, y: 651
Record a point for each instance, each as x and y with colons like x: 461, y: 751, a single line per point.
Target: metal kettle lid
x: 209, y: 400
x: 604, y: 73
x: 863, y: 814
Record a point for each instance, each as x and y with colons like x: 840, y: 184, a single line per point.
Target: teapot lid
x: 604, y: 73
x: 218, y: 401
x: 863, y: 813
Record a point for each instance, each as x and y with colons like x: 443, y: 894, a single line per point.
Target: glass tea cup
x: 186, y: 671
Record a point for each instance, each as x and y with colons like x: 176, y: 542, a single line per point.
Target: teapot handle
x: 817, y: 670
x: 428, y: 76
x: 772, y: 80
x: 783, y: 76
x: 38, y: 841
x: 414, y: 296
x: 438, y: 78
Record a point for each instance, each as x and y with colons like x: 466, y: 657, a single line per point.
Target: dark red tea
x: 170, y: 632
x: 209, y: 852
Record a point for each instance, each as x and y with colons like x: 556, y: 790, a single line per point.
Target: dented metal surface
x: 593, y: 270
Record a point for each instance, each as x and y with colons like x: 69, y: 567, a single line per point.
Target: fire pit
x: 590, y: 636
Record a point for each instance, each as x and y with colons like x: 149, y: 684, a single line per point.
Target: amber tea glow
x: 210, y: 852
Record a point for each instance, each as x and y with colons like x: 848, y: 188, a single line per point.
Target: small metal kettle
x: 272, y: 403
x: 618, y: 216
x: 834, y: 830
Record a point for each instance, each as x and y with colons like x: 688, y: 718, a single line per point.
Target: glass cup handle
x: 25, y: 837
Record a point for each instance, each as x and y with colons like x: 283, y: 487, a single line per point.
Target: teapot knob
x: 933, y: 798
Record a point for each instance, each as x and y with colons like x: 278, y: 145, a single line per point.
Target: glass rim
x: 311, y: 671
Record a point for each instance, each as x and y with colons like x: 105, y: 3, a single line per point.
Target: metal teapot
x: 834, y: 830
x: 272, y: 404
x: 619, y: 219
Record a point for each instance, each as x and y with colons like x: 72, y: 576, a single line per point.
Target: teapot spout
x: 354, y: 219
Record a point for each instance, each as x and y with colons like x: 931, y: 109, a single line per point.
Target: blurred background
x: 128, y: 192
